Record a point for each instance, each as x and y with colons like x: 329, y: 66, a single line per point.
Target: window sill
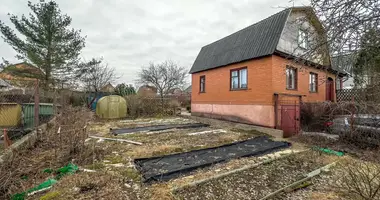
x: 313, y: 92
x: 295, y: 89
x: 239, y: 89
x: 201, y: 92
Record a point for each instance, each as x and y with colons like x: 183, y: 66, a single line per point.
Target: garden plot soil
x: 257, y: 182
x: 116, y: 176
x: 322, y: 187
x: 367, y: 154
x: 157, y: 128
x: 103, y: 127
x: 167, y: 167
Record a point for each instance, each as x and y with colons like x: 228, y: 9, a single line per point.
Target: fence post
x: 36, y: 105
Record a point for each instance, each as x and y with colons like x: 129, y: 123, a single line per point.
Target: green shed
x: 46, y: 110
x: 111, y: 107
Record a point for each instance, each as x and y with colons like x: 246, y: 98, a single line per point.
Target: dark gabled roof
x: 255, y: 41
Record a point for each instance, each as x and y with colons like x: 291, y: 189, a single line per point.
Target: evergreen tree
x: 50, y: 44
x: 367, y: 67
x: 125, y: 90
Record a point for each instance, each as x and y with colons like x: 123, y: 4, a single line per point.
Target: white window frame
x: 303, y: 39
x: 291, y: 78
x: 240, y: 85
x: 313, y: 82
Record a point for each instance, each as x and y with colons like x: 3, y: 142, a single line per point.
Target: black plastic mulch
x: 171, y: 166
x: 157, y: 128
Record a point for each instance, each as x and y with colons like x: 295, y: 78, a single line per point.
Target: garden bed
x: 171, y: 166
x: 257, y: 182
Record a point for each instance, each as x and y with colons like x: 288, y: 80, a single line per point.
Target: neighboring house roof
x: 21, y: 71
x: 108, y: 88
x: 255, y: 41
x: 147, y: 89
x: 175, y: 91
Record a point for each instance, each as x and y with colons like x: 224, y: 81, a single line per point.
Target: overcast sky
x: 129, y: 34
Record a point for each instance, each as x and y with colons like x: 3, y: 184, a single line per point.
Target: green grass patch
x: 131, y: 173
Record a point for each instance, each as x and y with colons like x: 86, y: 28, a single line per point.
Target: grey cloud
x: 129, y: 34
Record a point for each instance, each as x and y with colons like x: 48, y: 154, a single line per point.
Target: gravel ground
x: 257, y: 182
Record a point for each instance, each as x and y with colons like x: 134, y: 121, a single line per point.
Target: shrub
x: 139, y: 106
x: 359, y: 180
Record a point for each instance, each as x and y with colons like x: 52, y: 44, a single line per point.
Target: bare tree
x: 164, y: 76
x: 94, y: 75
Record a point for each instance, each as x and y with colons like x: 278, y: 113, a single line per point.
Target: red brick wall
x: 218, y: 84
x: 266, y: 76
x: 279, y: 80
x: 255, y: 105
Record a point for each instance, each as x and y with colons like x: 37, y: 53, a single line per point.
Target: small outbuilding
x: 111, y: 107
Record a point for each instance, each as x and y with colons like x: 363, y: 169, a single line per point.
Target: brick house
x: 259, y: 75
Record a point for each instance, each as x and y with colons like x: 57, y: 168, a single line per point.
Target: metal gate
x: 289, y: 112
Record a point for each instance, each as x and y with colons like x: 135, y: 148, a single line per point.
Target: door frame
x: 296, y: 104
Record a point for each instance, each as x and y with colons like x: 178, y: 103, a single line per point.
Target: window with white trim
x: 202, y: 84
x: 291, y: 78
x: 239, y: 79
x: 313, y: 82
x: 303, y: 39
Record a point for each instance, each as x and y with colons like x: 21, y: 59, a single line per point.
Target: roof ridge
x: 257, y: 23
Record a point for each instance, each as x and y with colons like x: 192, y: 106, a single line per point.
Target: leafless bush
x: 359, y: 180
x: 139, y: 106
x: 356, y: 122
x: 53, y: 149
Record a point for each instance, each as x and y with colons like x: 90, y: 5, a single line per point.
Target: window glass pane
x: 302, y: 38
x: 202, y: 84
x: 234, y: 82
x: 243, y: 78
x: 338, y: 86
x: 291, y: 75
x: 291, y: 79
x: 235, y: 73
x: 287, y: 77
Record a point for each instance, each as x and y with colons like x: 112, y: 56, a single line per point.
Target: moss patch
x: 96, y: 166
x: 50, y: 195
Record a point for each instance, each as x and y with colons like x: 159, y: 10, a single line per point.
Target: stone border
x: 222, y: 123
x: 26, y: 142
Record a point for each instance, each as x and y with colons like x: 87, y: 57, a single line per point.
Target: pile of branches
x: 62, y: 143
x: 357, y: 123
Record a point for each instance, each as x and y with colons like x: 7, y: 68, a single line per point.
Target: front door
x: 290, y: 119
x: 330, y: 89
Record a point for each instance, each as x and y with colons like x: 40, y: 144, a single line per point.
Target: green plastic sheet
x: 66, y: 170
x: 329, y: 151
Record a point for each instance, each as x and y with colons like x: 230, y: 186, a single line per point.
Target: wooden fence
x: 357, y: 95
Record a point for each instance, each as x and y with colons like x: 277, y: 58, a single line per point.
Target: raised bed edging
x: 26, y: 142
x: 222, y: 123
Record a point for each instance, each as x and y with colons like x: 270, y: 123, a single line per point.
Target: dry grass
x: 52, y: 150
x: 116, y: 176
